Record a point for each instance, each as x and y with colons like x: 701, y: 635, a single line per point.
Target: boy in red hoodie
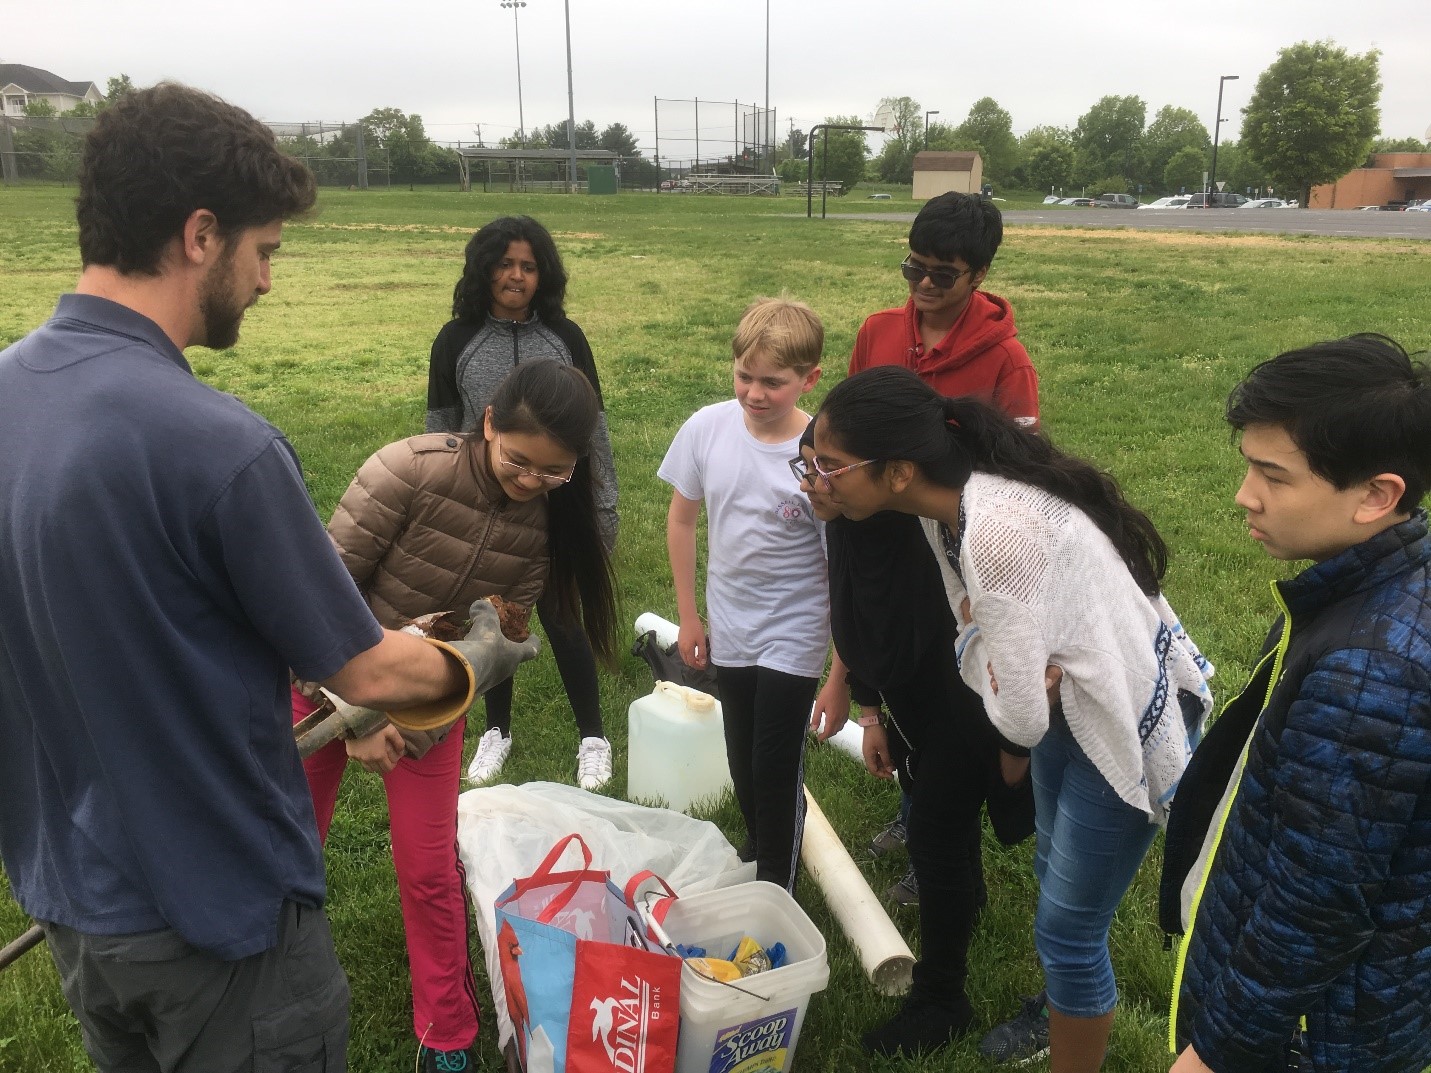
x: 958, y: 339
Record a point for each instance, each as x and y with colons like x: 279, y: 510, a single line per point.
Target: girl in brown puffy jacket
x: 430, y: 524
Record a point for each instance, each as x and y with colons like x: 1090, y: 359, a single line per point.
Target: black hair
x: 953, y: 226
x: 551, y: 398
x: 157, y: 155
x: 888, y: 413
x: 1355, y: 407
x: 472, y: 297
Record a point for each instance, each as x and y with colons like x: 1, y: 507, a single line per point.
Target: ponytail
x: 888, y: 413
x: 551, y: 398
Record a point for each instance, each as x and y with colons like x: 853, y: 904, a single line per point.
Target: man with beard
x: 161, y: 569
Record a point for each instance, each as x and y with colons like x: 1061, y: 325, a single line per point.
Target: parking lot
x: 1328, y: 222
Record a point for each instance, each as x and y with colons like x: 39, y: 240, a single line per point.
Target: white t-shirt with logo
x: 767, y: 588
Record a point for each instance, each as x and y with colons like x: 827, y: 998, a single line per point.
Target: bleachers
x: 731, y: 184
x: 826, y: 186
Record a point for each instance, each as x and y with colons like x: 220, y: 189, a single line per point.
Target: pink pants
x: 422, y: 819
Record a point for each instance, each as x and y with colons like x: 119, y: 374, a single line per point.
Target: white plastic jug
x: 675, y: 749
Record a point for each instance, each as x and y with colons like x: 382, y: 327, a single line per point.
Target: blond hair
x: 786, y: 332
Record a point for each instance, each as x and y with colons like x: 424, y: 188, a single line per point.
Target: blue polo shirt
x: 161, y: 568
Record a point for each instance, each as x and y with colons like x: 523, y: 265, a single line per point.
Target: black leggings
x: 946, y: 753
x: 576, y: 664
x: 766, y: 713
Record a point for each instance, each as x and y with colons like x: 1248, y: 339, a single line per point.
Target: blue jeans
x: 1090, y: 844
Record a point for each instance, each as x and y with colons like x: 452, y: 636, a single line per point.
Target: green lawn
x: 1137, y: 338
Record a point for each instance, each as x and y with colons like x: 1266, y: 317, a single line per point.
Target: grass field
x: 1137, y: 338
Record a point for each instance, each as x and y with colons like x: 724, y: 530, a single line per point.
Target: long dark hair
x: 472, y: 297
x: 888, y: 413
x: 551, y: 398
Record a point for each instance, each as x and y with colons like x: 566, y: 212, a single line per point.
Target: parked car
x: 1115, y: 201
x: 1419, y: 206
x: 1264, y: 203
x: 1052, y: 199
x: 1175, y: 202
x: 1080, y: 202
x: 1215, y: 200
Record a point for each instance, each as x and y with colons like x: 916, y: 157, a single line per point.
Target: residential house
x: 21, y: 85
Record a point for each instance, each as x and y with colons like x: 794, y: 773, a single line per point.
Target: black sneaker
x: 891, y: 837
x: 431, y: 1061
x: 906, y: 891
x: 919, y: 1026
x: 1022, y: 1039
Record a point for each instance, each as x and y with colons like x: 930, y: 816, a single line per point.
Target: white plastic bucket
x: 754, y: 1029
x: 675, y: 750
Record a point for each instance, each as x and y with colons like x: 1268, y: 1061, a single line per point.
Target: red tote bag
x: 586, y: 990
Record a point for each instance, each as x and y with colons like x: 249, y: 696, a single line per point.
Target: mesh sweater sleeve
x: 444, y: 400
x: 1004, y: 568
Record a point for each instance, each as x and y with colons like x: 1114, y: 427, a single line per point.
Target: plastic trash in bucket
x: 751, y: 1027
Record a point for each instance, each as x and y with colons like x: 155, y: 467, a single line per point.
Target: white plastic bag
x: 504, y: 832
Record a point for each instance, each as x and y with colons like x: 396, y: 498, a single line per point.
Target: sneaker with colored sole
x: 492, y: 750
x: 1023, y: 1038
x: 431, y: 1061
x: 593, y: 763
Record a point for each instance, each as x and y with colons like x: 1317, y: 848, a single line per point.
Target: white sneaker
x: 492, y: 750
x: 593, y: 763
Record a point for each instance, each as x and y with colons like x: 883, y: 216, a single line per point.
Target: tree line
x: 398, y: 142
x: 1312, y: 117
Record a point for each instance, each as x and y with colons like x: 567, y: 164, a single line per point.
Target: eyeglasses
x: 545, y: 478
x: 802, y: 470
x: 943, y: 278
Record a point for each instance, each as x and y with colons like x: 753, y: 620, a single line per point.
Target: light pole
x: 926, y: 125
x: 570, y: 108
x: 517, y: 34
x: 1216, y: 131
x: 767, y: 132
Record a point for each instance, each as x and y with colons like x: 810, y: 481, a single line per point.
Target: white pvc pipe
x: 885, y: 955
x: 850, y: 739
x: 666, y: 630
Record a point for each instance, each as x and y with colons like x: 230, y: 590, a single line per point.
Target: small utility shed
x: 938, y: 173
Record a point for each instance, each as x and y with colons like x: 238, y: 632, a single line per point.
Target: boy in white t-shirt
x: 767, y: 593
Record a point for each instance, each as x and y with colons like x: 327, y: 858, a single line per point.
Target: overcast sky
x: 454, y: 61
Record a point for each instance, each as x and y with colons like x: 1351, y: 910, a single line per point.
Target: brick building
x: 1392, y: 179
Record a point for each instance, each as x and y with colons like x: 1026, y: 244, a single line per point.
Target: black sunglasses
x: 943, y: 278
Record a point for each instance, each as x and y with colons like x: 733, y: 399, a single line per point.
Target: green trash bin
x: 601, y: 179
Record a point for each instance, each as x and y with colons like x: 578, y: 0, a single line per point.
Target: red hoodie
x: 979, y: 356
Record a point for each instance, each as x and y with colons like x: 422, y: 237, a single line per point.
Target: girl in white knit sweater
x: 1055, y: 579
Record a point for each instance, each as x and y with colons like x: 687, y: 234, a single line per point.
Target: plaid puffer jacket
x: 1318, y: 901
